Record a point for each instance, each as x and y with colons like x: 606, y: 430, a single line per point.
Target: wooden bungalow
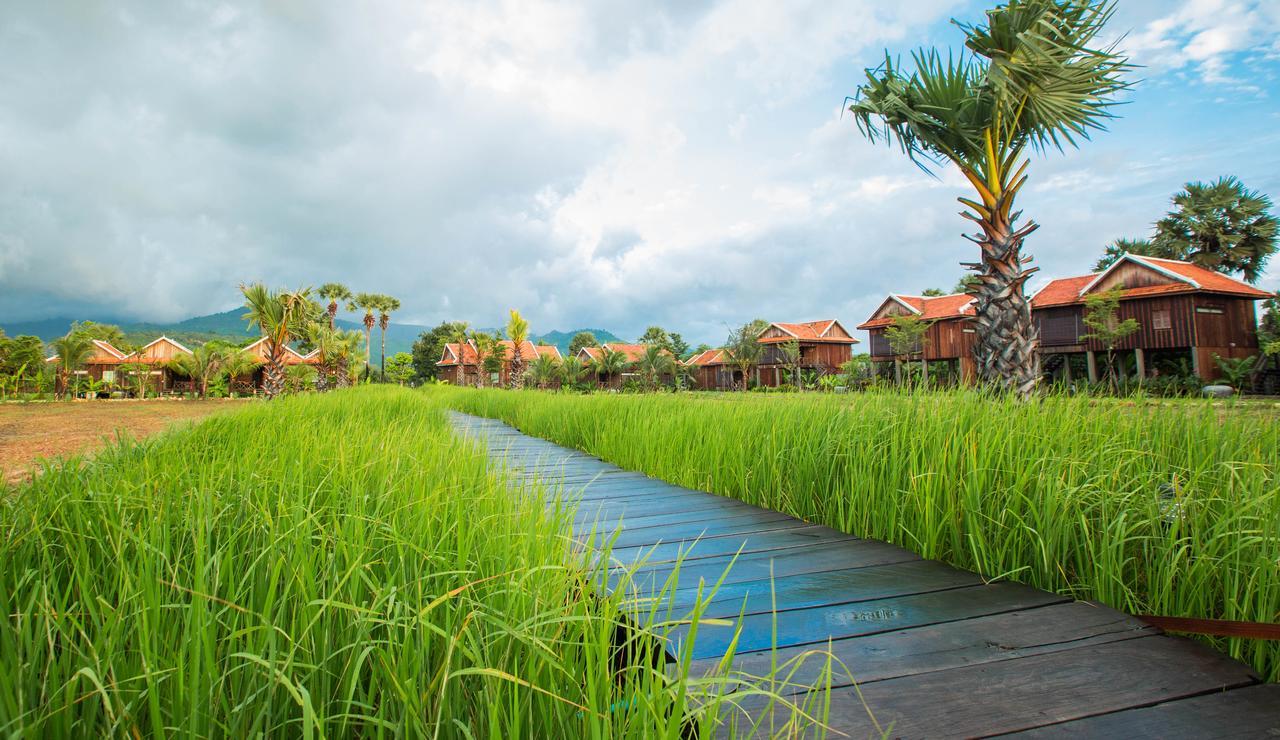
x: 254, y: 381
x: 633, y: 353
x: 457, y: 360
x: 947, y: 348
x: 102, y: 365
x: 1186, y: 314
x: 824, y: 346
x: 710, y: 371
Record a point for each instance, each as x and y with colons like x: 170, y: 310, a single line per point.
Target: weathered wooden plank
x: 1021, y: 694
x: 817, y: 625
x: 588, y: 511
x: 1249, y: 712
x: 936, y: 647
x: 848, y: 553
x: 703, y: 530
x: 713, y: 546
x: 631, y: 523
x: 843, y: 586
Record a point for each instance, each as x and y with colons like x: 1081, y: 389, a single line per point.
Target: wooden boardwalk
x: 935, y: 651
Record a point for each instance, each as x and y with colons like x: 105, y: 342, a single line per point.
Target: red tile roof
x: 809, y: 331
x: 707, y: 357
x: 633, y: 352
x: 929, y: 308
x: 1188, y: 277
x: 528, y: 351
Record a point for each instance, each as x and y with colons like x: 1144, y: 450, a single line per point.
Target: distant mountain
x: 228, y: 325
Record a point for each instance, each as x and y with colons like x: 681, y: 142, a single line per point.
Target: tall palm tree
x: 518, y: 333
x: 1031, y: 79
x: 333, y: 293
x: 743, y: 348
x: 386, y: 306
x: 654, y: 364
x: 610, y: 364
x: 281, y: 316
x: 459, y: 334
x: 369, y: 303
x: 486, y: 346
x: 72, y: 351
x: 203, y: 364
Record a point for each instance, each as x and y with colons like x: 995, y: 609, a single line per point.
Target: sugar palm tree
x: 326, y: 340
x: 386, y: 306
x: 281, y: 316
x: 1030, y: 80
x: 72, y: 351
x: 610, y: 364
x: 346, y: 351
x: 367, y: 302
x: 654, y: 364
x: 518, y: 333
x: 203, y: 364
x: 333, y: 293
x: 459, y: 334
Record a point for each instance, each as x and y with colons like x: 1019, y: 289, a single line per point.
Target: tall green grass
x: 1170, y: 509
x: 340, y: 565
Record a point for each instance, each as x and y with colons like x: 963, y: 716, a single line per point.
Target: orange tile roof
x: 707, y: 357
x: 1189, y: 278
x: 593, y: 353
x: 929, y: 308
x: 809, y: 331
x: 528, y: 351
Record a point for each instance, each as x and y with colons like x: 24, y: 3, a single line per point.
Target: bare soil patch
x: 30, y: 431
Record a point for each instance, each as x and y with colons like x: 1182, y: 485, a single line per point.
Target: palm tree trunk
x: 1007, y: 347
x: 273, y: 375
x: 383, y: 365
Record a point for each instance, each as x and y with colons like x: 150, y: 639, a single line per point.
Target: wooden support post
x: 1092, y: 358
x: 924, y: 370
x: 1141, y: 362
x: 1066, y: 368
x: 1195, y: 362
x: 897, y: 371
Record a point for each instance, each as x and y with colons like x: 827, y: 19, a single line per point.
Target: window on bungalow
x: 1161, y: 320
x: 1209, y: 309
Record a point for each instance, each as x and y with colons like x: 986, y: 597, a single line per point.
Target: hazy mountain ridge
x: 230, y: 325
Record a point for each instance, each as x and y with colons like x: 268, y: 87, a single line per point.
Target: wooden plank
x: 849, y: 553
x: 588, y: 511
x: 713, y: 546
x: 936, y: 647
x: 1012, y: 695
x: 1249, y: 712
x: 828, y: 587
x: 631, y: 523
x: 818, y: 625
x: 702, y: 530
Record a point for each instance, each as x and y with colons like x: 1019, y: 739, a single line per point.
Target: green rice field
x: 1167, y: 509
x: 334, y: 565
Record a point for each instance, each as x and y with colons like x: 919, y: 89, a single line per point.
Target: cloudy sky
x: 610, y: 164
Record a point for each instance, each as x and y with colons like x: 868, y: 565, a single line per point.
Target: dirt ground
x: 34, y: 430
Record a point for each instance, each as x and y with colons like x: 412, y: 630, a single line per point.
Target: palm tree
x: 281, y: 316
x: 543, y: 370
x: 460, y: 334
x: 487, y: 347
x: 517, y: 332
x: 571, y: 371
x: 346, y: 350
x: 386, y: 306
x: 743, y: 348
x: 369, y: 303
x: 72, y: 352
x: 610, y: 363
x: 326, y: 340
x: 654, y: 364
x: 203, y: 364
x: 1030, y: 80
x: 236, y: 363
x: 333, y: 293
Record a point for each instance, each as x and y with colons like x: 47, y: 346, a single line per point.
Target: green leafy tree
x: 72, y: 351
x: 460, y: 335
x: 203, y: 365
x: 610, y: 364
x: 790, y: 350
x: 299, y: 378
x: 489, y: 355
x: 656, y: 335
x: 386, y: 306
x: 400, y: 368
x: 518, y: 333
x: 655, y: 364
x: 281, y: 316
x: 543, y: 371
x: 1236, y: 370
x: 932, y: 292
x: 428, y: 348
x: 1120, y: 247
x: 572, y: 371
x: 743, y: 348
x: 1030, y: 79
x: 23, y: 353
x: 678, y: 346
x: 906, y: 336
x: 580, y: 340
x: 1101, y: 315
x: 109, y: 333
x: 334, y: 293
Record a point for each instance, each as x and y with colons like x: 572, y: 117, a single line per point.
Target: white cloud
x: 1208, y: 35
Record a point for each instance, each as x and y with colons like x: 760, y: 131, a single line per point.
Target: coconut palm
x: 1030, y: 80
x: 237, y: 363
x: 655, y: 364
x: 460, y: 334
x: 386, y: 306
x: 281, y: 316
x: 369, y: 303
x: 203, y: 364
x: 743, y: 348
x: 325, y: 339
x: 346, y: 353
x: 518, y: 333
x: 543, y: 370
x: 72, y: 351
x: 488, y: 349
x: 610, y: 364
x: 333, y: 293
